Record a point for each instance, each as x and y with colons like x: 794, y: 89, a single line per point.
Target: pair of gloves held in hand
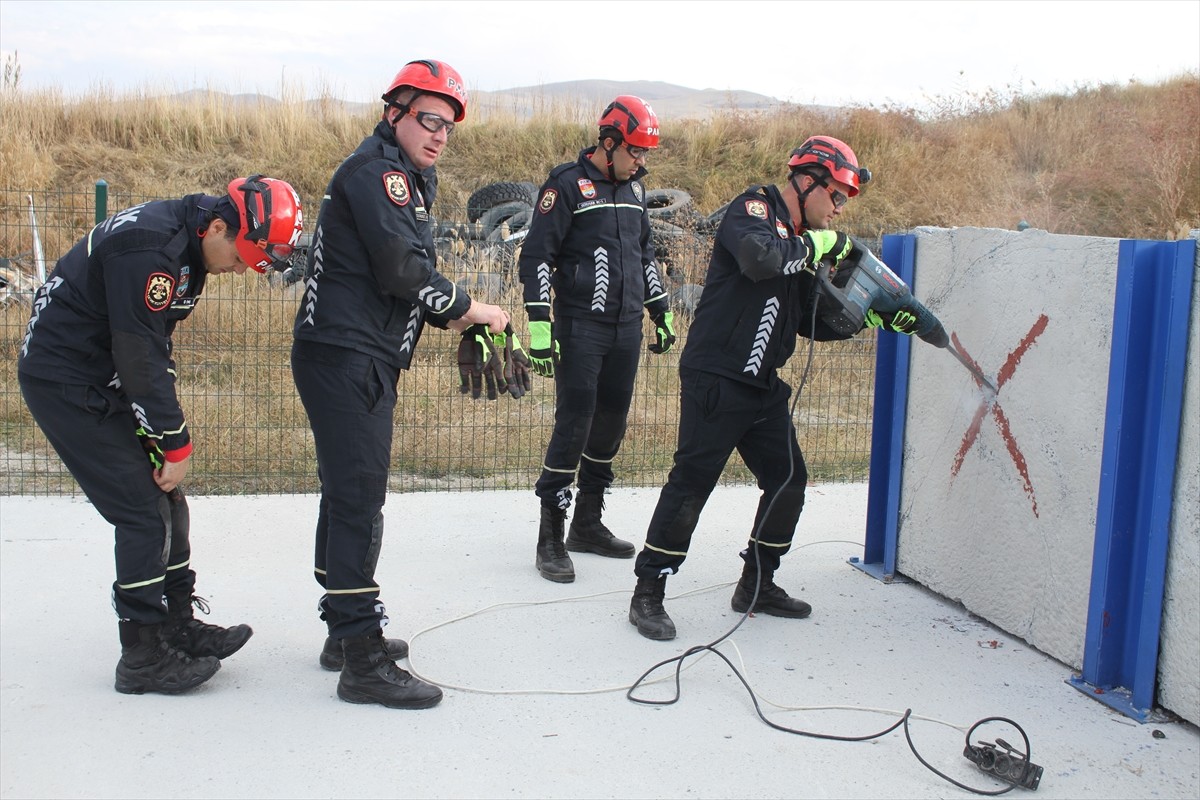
x: 494, y: 360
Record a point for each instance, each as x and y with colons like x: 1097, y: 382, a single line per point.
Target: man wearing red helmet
x: 589, y: 245
x: 758, y: 295
x: 372, y: 283
x: 97, y: 373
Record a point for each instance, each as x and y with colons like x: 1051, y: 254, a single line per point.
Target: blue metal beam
x: 1137, y: 474
x: 887, y: 428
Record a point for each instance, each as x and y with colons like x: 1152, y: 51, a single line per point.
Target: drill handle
x: 929, y: 327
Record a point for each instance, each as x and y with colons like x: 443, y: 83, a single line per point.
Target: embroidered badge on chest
x: 547, y: 201
x: 185, y: 274
x: 587, y: 188
x: 756, y: 208
x: 781, y: 228
x: 159, y: 288
x: 638, y: 192
x: 396, y: 185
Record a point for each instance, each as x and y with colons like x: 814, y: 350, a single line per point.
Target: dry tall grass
x: 1108, y: 161
x: 1104, y: 161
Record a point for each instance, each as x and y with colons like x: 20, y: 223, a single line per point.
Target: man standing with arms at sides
x: 372, y: 283
x: 589, y: 246
x: 98, y: 374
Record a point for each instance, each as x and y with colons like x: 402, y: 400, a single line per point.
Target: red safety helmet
x: 835, y: 156
x: 270, y: 218
x: 633, y: 119
x: 433, y: 77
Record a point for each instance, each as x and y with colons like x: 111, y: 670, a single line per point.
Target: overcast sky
x: 856, y: 52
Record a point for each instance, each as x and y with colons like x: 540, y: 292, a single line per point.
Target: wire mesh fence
x: 250, y: 431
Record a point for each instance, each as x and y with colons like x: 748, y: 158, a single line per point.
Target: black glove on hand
x: 518, y: 369
x: 480, y: 362
x: 153, y: 450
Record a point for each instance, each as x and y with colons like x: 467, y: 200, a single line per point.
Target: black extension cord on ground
x: 1004, y: 762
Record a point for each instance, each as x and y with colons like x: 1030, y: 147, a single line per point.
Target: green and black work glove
x: 153, y: 450
x: 479, y: 362
x: 900, y: 322
x: 517, y: 367
x: 664, y: 329
x: 543, y: 349
x: 830, y: 246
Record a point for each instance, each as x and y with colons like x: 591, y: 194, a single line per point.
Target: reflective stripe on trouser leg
x: 614, y: 394
x: 764, y: 448
x: 350, y: 399
x: 181, y: 579
x: 93, y: 431
x: 593, y: 386
x: 713, y: 413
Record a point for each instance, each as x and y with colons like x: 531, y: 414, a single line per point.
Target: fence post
x: 101, y: 200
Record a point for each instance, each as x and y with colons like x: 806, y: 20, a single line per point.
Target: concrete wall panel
x: 1179, y: 655
x: 999, y: 494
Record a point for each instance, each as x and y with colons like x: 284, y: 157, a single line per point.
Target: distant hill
x: 668, y: 100
x: 587, y: 98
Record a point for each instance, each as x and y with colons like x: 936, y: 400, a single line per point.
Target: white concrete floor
x: 536, y: 674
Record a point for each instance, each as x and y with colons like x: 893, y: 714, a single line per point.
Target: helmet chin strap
x: 608, y: 154
x: 802, y: 196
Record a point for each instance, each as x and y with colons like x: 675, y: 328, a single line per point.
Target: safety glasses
x: 637, y: 152
x: 431, y: 122
x: 839, y: 198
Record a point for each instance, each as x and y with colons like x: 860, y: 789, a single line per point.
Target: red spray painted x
x: 993, y: 405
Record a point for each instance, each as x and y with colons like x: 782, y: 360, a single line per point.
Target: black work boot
x: 552, y: 560
x: 199, y: 639
x: 771, y: 599
x: 370, y: 676
x: 589, y: 535
x: 332, y: 657
x: 148, y: 664
x: 646, y: 609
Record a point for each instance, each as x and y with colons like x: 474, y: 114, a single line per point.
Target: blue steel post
x: 1137, y: 474
x: 887, y: 427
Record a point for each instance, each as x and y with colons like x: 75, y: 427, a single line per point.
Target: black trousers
x: 350, y: 399
x: 593, y: 389
x: 716, y: 416
x: 93, y: 430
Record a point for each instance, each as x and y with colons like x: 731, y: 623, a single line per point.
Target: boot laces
x: 190, y: 626
x: 201, y: 604
x: 557, y: 547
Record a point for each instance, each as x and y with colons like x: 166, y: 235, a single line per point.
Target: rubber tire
x: 666, y: 204
x: 494, y: 194
x: 505, y: 212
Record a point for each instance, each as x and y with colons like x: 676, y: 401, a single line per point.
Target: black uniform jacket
x: 589, y: 241
x: 107, y: 311
x: 372, y: 279
x: 746, y: 329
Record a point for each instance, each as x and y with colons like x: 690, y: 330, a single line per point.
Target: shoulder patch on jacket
x: 547, y: 201
x: 396, y: 185
x: 159, y: 288
x: 756, y: 208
